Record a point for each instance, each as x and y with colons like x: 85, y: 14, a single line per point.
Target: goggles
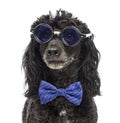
x: 70, y: 35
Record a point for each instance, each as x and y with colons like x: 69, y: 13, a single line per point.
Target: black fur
x: 83, y: 69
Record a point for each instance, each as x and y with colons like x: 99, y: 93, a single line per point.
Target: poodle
x: 60, y: 65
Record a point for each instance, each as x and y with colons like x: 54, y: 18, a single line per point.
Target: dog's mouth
x: 59, y: 64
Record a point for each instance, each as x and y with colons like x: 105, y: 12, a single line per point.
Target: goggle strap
x: 87, y: 35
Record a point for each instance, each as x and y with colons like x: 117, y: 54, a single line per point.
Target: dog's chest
x: 63, y: 116
x: 63, y: 113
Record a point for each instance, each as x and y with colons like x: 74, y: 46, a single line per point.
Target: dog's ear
x: 33, y: 66
x: 89, y: 58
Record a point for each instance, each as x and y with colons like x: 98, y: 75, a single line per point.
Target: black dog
x: 61, y: 54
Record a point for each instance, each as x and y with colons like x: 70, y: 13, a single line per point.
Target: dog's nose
x: 54, y: 51
x: 54, y: 48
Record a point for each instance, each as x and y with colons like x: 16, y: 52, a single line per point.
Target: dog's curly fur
x: 84, y: 69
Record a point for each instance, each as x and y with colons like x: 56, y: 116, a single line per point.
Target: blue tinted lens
x: 70, y: 35
x: 43, y: 33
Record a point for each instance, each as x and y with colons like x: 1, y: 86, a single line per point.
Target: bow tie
x: 48, y: 92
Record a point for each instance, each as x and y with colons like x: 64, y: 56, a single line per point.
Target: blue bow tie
x: 73, y: 93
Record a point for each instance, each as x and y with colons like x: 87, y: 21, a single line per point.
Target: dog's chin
x: 59, y: 65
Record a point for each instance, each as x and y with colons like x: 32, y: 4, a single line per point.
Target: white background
x: 16, y: 17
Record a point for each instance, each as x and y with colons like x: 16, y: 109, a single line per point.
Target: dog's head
x: 60, y: 39
x: 58, y: 43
